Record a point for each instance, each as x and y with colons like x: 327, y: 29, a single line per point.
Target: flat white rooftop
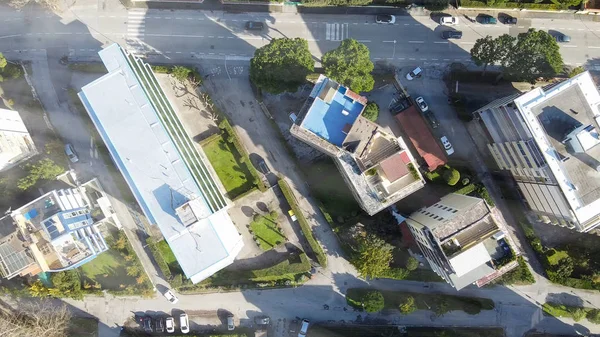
x: 155, y: 169
x: 550, y: 116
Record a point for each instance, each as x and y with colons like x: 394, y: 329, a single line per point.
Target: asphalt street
x: 180, y: 34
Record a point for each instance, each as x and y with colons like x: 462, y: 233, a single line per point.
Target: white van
x: 303, y: 328
x: 413, y: 74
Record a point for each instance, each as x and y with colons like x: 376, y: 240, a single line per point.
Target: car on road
x: 184, y: 323
x: 451, y: 34
x: 254, y: 25
x: 449, y: 20
x: 487, y: 20
x: 147, y: 324
x: 262, y: 320
x: 262, y: 166
x: 171, y: 297
x: 303, y: 328
x: 159, y: 324
x: 170, y: 324
x: 230, y: 322
x: 447, y: 146
x: 421, y: 103
x: 414, y: 74
x: 509, y: 20
x: 562, y: 38
x: 292, y: 215
x: 70, y: 152
x: 385, y: 18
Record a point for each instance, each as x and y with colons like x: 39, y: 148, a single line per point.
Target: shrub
x: 413, y: 171
x: 436, y: 5
x: 371, y: 111
x: 373, y: 301
x: 451, y: 176
x: 593, y: 316
x: 576, y: 71
x: 466, y: 190
x: 177, y: 281
x: 471, y: 307
x: 483, y: 193
x: 395, y: 273
x: 577, y: 313
x: 412, y: 263
x: 408, y: 306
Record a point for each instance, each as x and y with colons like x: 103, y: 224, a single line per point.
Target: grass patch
x: 439, y: 303
x: 423, y: 275
x: 108, y: 269
x: 557, y: 256
x: 316, y: 248
x: 292, y: 270
x: 168, y: 256
x: 230, y: 166
x: 91, y: 67
x: 266, y: 231
x: 83, y: 327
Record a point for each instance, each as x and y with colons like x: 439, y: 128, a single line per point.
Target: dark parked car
x: 159, y: 324
x: 254, y: 25
x: 487, y: 20
x: 509, y: 20
x: 147, y: 323
x: 385, y: 18
x: 262, y: 320
x: 451, y: 34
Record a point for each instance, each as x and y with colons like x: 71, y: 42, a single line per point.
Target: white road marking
x: 364, y: 41
x: 594, y: 47
x: 441, y: 42
x: 336, y: 31
x: 388, y: 41
x: 416, y: 41
x: 569, y: 46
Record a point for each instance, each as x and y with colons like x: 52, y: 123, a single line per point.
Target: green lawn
x: 265, y: 230
x: 108, y: 269
x: 168, y: 256
x: 393, y: 299
x: 557, y: 256
x: 225, y: 159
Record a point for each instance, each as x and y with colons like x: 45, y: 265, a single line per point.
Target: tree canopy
x: 3, y: 61
x: 282, y: 65
x: 371, y: 111
x: 536, y: 54
x: 373, y: 257
x: 373, y: 301
x: 531, y: 55
x: 350, y: 64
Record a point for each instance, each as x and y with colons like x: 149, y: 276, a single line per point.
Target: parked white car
x: 449, y: 21
x: 447, y: 146
x: 414, y: 74
x: 303, y: 328
x: 184, y: 323
x: 170, y: 324
x: 70, y: 152
x: 421, y: 103
x: 171, y: 297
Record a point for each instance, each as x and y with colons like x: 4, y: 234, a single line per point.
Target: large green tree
x: 484, y: 52
x: 350, y: 64
x: 535, y: 54
x: 373, y: 256
x: 282, y: 65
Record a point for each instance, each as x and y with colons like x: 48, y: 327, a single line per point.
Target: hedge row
x: 509, y: 5
x: 306, y: 229
x: 226, y: 127
x: 160, y: 261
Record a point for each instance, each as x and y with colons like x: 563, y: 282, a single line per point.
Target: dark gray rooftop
x: 559, y: 115
x: 463, y: 219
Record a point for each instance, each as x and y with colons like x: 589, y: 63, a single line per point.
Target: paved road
x: 186, y: 35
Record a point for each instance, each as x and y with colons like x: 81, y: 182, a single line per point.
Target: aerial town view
x: 319, y: 168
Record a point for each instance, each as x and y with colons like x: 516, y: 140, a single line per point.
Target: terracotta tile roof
x: 394, y: 167
x: 416, y: 129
